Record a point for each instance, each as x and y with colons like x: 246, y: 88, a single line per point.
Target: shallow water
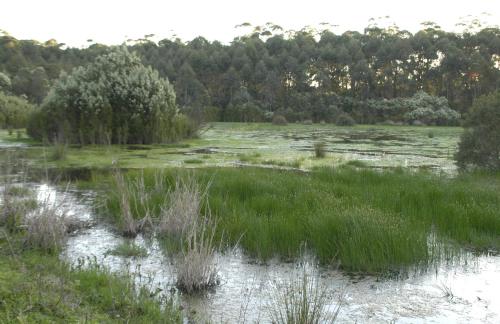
x: 245, y: 292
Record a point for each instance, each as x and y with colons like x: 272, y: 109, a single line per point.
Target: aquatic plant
x: 196, y: 266
x: 302, y: 301
x: 319, y: 150
x: 182, y: 208
x: 129, y: 249
x: 46, y: 226
x: 364, y: 220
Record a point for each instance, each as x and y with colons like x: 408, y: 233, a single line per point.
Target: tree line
x: 303, y: 75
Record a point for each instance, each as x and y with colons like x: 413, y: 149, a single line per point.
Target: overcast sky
x: 114, y: 21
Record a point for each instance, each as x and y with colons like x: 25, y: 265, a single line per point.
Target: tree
x: 4, y: 82
x: 14, y: 111
x: 116, y: 99
x: 480, y: 143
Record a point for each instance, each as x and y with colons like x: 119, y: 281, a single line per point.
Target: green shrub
x: 114, y: 100
x: 345, y: 120
x: 14, y: 112
x: 279, y: 120
x: 480, y: 143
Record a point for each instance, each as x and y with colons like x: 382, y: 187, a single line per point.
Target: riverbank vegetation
x: 38, y: 287
x: 363, y: 220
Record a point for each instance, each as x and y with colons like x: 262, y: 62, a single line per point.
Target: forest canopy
x: 303, y: 75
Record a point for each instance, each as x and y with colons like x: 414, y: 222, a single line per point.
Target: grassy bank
x: 35, y: 287
x: 365, y: 220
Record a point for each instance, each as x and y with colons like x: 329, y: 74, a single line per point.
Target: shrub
x: 279, y: 120
x: 307, y: 122
x: 14, y: 111
x: 115, y: 99
x: 479, y: 145
x: 345, y: 120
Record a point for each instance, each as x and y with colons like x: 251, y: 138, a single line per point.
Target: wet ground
x: 266, y: 145
x: 465, y: 292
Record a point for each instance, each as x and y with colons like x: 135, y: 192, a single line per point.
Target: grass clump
x: 290, y: 164
x: 319, y: 150
x: 356, y: 164
x: 193, y: 161
x: 173, y: 209
x: 301, y: 301
x: 59, y: 152
x: 196, y: 266
x: 181, y: 211
x: 249, y: 158
x: 46, y: 228
x: 129, y: 249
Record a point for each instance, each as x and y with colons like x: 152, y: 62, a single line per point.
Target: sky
x: 73, y: 22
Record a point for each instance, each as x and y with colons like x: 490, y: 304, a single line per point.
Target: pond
x: 463, y: 292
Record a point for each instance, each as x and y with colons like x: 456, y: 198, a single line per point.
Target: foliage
x: 480, y: 143
x: 39, y: 288
x: 304, y: 74
x: 421, y: 108
x: 113, y: 100
x: 5, y: 82
x: 14, y: 111
x: 279, y: 120
x: 345, y: 120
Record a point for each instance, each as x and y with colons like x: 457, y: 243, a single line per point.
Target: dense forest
x: 372, y: 76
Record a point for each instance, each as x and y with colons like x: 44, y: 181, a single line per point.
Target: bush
x: 114, y: 100
x: 345, y: 120
x: 279, y: 120
x: 14, y: 111
x: 480, y: 143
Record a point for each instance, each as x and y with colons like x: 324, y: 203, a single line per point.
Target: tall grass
x: 196, y: 266
x: 363, y: 220
x: 46, y: 226
x: 173, y: 209
x: 182, y: 209
x: 302, y: 301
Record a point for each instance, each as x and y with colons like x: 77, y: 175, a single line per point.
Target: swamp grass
x: 228, y: 144
x: 38, y: 288
x: 362, y: 220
